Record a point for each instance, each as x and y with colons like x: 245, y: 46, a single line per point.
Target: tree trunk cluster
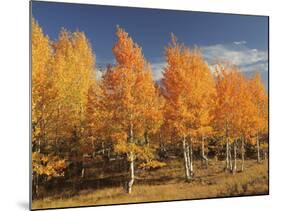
x: 231, y: 162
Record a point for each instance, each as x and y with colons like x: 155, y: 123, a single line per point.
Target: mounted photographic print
x: 134, y: 105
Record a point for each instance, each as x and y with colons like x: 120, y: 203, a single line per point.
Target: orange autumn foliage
x: 130, y: 98
x: 236, y: 109
x: 74, y: 70
x: 189, y: 91
x: 44, y: 96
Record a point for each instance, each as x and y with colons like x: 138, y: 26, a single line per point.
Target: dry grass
x: 168, y: 184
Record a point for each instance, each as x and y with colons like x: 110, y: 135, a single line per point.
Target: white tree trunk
x: 227, y: 155
x: 132, y: 173
x: 37, y: 185
x: 191, y: 158
x: 234, y: 157
x: 230, y: 157
x: 131, y: 160
x: 102, y: 148
x: 186, y: 160
x: 146, y: 139
x: 258, y: 150
x: 242, y: 153
x: 83, y: 173
x: 204, y: 157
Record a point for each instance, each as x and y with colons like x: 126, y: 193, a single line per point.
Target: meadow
x: 167, y: 184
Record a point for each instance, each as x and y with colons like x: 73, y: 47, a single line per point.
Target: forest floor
x: 168, y: 183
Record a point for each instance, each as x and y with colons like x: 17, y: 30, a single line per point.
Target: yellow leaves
x: 237, y: 111
x: 95, y: 115
x: 62, y: 73
x: 140, y: 152
x: 259, y: 98
x: 43, y: 91
x: 41, y: 50
x: 129, y: 97
x: 264, y: 146
x: 153, y: 164
x: 48, y: 165
x: 126, y: 52
x: 121, y: 147
x: 144, y: 153
x: 35, y: 132
x: 120, y: 136
x: 74, y: 74
x: 252, y: 140
x: 188, y: 88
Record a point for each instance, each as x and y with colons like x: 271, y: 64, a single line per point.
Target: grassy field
x: 168, y: 183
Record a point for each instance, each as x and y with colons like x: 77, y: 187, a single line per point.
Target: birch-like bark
x: 191, y: 158
x: 227, y: 155
x: 131, y: 161
x: 258, y: 149
x: 234, y: 157
x: 102, y: 148
x: 230, y: 157
x: 83, y: 173
x: 132, y: 173
x: 242, y: 153
x: 186, y: 160
x: 146, y: 139
x: 37, y: 184
x: 204, y: 157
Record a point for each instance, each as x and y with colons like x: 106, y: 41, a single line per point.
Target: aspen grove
x: 128, y: 123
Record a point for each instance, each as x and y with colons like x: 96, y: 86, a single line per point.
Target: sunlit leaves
x: 241, y: 104
x: 189, y: 91
x: 51, y: 166
x: 130, y: 97
x: 74, y: 70
x: 62, y: 73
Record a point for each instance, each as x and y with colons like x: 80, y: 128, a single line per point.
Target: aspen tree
x: 73, y: 67
x: 260, y: 100
x: 229, y: 87
x: 44, y: 95
x: 131, y: 99
x: 189, y: 91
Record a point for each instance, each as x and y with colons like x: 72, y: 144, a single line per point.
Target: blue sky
x: 241, y: 39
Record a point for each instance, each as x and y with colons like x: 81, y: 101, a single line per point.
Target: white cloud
x: 243, y: 42
x: 99, y: 74
x: 157, y: 70
x: 263, y: 67
x: 246, y: 58
x: 237, y: 53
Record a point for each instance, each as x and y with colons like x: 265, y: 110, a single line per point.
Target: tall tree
x: 74, y: 69
x: 235, y: 114
x: 131, y: 100
x: 44, y: 95
x: 189, y: 91
x: 245, y: 120
x: 260, y: 100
